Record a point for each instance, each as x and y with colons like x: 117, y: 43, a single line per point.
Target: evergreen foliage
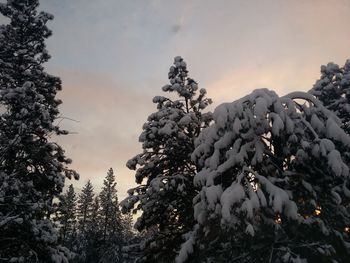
x: 263, y: 179
x: 92, y: 225
x: 84, y: 217
x: 333, y: 90
x: 274, y: 183
x: 66, y: 215
x: 85, y: 206
x: 111, y: 221
x: 164, y: 170
x: 92, y: 238
x: 32, y: 168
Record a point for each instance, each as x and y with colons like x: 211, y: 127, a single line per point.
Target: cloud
x: 114, y: 56
x: 110, y: 118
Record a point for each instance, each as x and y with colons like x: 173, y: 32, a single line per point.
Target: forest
x: 264, y: 178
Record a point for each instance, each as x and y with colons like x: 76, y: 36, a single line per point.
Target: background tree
x: 164, y: 170
x: 111, y: 221
x: 333, y: 90
x: 66, y: 215
x: 32, y: 168
x: 127, y: 223
x: 109, y: 204
x: 85, y: 206
x: 95, y: 231
x: 93, y: 234
x: 274, y: 186
x: 84, y: 213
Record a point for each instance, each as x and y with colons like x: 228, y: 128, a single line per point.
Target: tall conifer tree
x: 164, y: 170
x: 93, y: 234
x: 32, y: 168
x: 87, y: 229
x: 67, y: 216
x: 111, y: 221
x: 85, y: 206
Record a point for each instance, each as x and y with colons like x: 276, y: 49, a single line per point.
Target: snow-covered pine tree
x: 164, y: 170
x: 32, y: 168
x: 111, y: 221
x: 333, y: 90
x: 67, y: 217
x: 274, y: 186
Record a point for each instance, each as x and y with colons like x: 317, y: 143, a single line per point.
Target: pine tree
x: 85, y: 206
x: 32, y: 168
x: 84, y: 218
x: 109, y: 204
x: 274, y: 183
x: 93, y: 235
x: 164, y: 170
x: 127, y: 226
x: 111, y: 221
x: 66, y: 215
x: 95, y: 215
x: 333, y: 90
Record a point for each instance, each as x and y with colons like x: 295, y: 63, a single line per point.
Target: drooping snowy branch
x: 268, y: 163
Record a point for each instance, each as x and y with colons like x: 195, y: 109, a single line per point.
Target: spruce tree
x: 95, y: 216
x: 85, y: 206
x: 93, y: 235
x: 164, y: 170
x: 84, y: 219
x: 108, y: 204
x: 66, y: 215
x: 333, y: 90
x: 111, y: 221
x: 274, y: 183
x: 127, y: 225
x: 32, y: 167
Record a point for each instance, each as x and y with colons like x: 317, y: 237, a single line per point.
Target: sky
x: 113, y: 57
